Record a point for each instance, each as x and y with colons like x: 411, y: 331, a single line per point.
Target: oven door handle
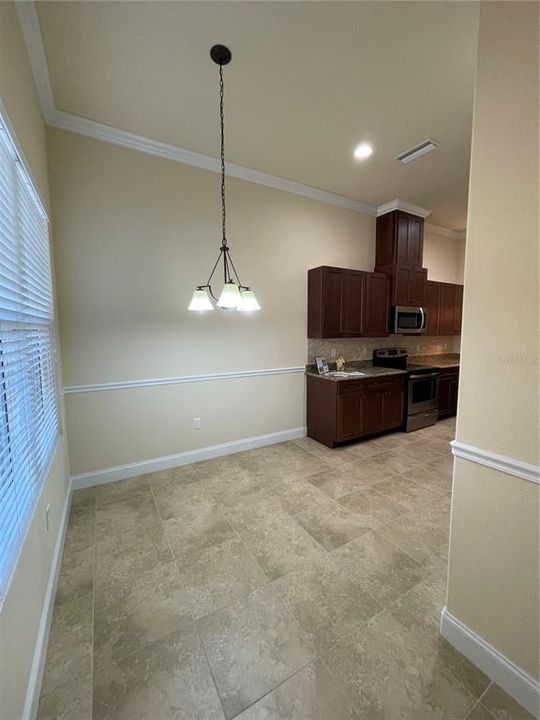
x: 426, y: 375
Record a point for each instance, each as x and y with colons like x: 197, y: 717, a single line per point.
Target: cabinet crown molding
x: 398, y: 204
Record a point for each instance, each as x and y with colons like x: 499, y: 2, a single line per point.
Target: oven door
x: 409, y: 320
x: 423, y: 392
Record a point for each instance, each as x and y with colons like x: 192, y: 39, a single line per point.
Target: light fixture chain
x: 222, y: 156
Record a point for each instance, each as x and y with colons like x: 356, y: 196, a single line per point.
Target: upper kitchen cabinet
x: 408, y: 286
x: 444, y: 305
x: 399, y: 253
x: 400, y: 241
x: 347, y: 303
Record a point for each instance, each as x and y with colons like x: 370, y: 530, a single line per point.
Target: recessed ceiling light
x: 363, y: 151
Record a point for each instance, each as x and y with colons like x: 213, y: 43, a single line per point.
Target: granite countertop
x: 446, y: 360
x: 364, y: 367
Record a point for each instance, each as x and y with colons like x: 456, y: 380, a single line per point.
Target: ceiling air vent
x: 415, y: 152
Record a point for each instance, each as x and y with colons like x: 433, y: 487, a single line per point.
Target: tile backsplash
x: 362, y: 348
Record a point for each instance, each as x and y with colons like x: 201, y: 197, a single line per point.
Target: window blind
x: 28, y: 395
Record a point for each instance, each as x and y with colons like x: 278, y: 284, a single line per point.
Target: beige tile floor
x: 291, y: 582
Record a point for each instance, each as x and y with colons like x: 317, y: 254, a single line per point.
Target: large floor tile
x: 132, y: 488
x: 69, y: 653
x: 502, y: 706
x: 179, y: 499
x: 405, y: 492
x: 435, y: 476
x: 253, y: 646
x: 423, y: 535
x: 374, y: 508
x: 386, y: 571
x: 395, y: 673
x: 194, y: 531
x: 146, y: 608
x: 331, y: 524
x: 72, y: 701
x: 254, y: 511
x: 310, y: 694
x: 218, y: 576
x: 294, y: 494
x: 281, y: 545
x: 168, y: 679
x: 327, y: 600
x: 340, y: 481
x: 479, y: 712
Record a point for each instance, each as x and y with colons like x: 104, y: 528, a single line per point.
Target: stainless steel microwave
x: 409, y: 320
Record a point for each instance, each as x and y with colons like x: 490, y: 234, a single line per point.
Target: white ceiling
x: 308, y: 81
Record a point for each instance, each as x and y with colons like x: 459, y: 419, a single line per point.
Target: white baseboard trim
x: 503, y: 463
x: 33, y: 688
x: 517, y: 683
x: 121, y: 472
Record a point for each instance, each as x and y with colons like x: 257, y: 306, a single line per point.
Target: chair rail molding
x: 503, y: 463
x: 180, y: 379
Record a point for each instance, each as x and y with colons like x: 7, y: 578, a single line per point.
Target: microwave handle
x: 423, y: 323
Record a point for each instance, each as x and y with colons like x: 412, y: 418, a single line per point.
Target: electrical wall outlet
x: 333, y: 352
x: 48, y: 517
x: 197, y: 423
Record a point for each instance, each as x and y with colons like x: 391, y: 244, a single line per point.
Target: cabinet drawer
x: 371, y: 384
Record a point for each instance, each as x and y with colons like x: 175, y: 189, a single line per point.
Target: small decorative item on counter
x: 322, y: 365
x: 340, y: 363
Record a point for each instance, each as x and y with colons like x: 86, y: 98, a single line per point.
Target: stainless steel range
x: 422, y: 386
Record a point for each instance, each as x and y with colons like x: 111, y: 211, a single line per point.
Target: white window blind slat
x: 28, y: 394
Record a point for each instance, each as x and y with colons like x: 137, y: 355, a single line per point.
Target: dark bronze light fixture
x: 234, y: 295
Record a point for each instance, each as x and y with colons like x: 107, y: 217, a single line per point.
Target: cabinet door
x: 352, y: 303
x: 417, y: 284
x: 402, y: 239
x: 401, y: 287
x: 350, y: 416
x: 373, y: 412
x: 458, y: 307
x: 332, y: 292
x: 376, y: 305
x: 447, y: 309
x: 393, y: 406
x: 415, y: 244
x: 432, y: 304
x: 448, y: 394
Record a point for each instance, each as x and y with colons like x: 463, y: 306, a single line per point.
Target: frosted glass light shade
x: 248, y: 302
x: 230, y: 297
x: 200, y: 300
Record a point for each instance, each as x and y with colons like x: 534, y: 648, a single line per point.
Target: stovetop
x: 398, y: 358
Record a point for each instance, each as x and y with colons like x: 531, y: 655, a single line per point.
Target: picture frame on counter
x: 322, y: 365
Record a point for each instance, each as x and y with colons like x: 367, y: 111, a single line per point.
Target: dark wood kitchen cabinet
x: 338, y: 411
x: 400, y: 240
x: 399, y: 253
x: 408, y: 286
x: 347, y: 303
x: 448, y: 392
x: 444, y: 306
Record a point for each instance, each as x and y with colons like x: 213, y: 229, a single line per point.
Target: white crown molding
x: 29, y: 21
x: 513, y: 680
x: 106, y: 133
x: 446, y: 232
x: 503, y: 463
x: 179, y: 380
x: 398, y: 204
x: 122, y: 472
x: 31, y: 30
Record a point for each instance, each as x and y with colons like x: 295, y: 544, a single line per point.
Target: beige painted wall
x: 493, y: 576
x: 133, y: 235
x: 444, y: 257
x: 20, y: 616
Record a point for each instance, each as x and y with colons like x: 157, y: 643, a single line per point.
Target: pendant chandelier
x: 234, y: 295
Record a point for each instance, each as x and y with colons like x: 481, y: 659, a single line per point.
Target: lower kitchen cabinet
x: 338, y: 411
x: 448, y: 392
